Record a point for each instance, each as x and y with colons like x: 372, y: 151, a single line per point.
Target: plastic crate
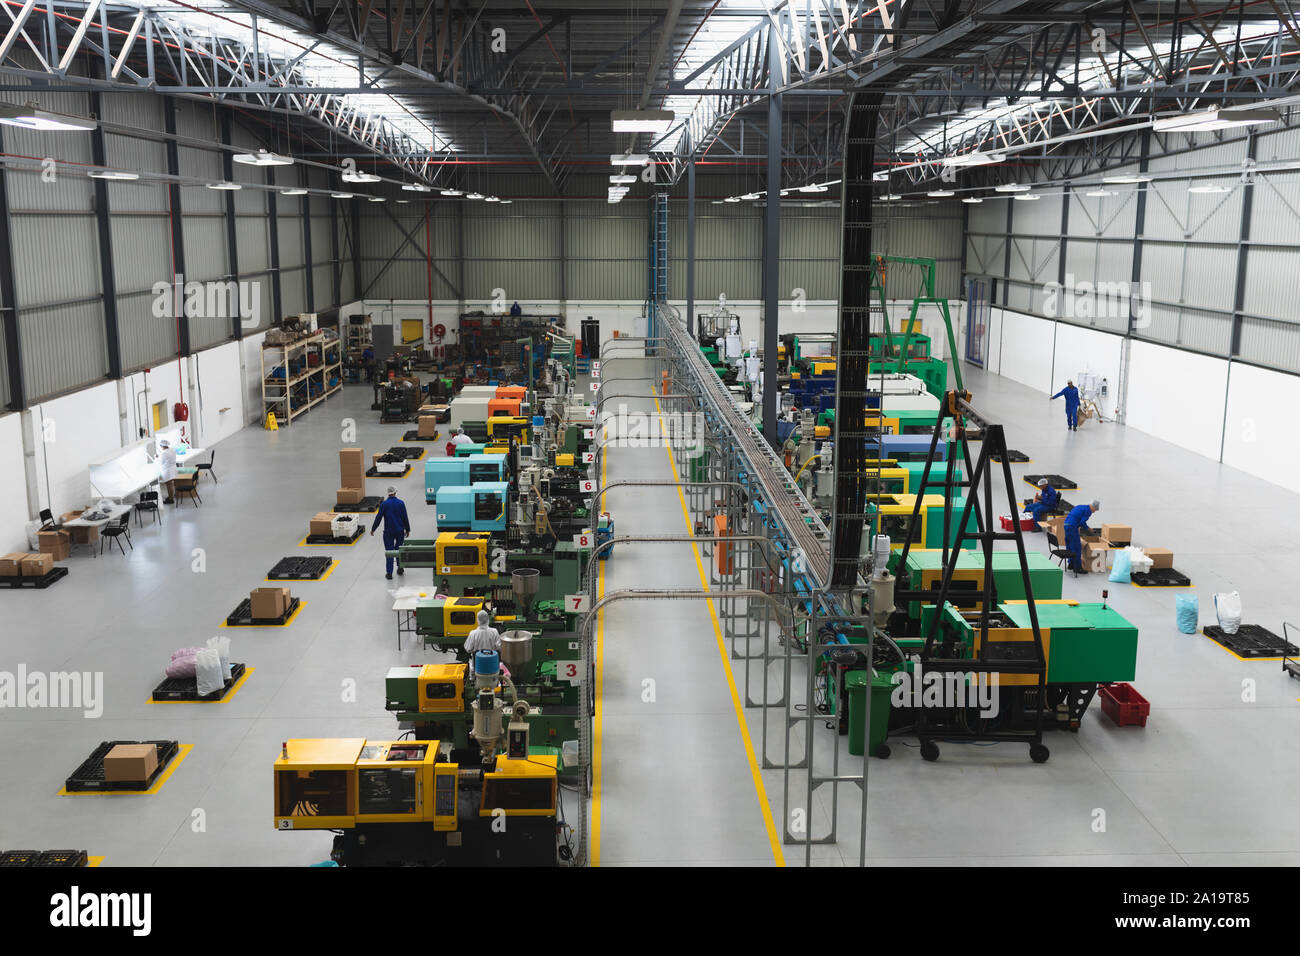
x: 1026, y: 524
x: 1124, y: 705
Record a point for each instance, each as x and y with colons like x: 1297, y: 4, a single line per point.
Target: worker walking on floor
x: 1071, y: 395
x: 1046, y: 500
x: 167, y: 469
x: 1076, y: 521
x: 396, y: 527
x: 485, y: 637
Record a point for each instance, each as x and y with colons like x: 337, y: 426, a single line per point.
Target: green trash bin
x: 699, y: 467
x: 855, y: 683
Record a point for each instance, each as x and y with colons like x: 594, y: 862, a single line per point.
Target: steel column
x: 232, y: 237
x: 690, y: 248
x: 772, y: 242
x: 273, y: 215
x: 17, y: 398
x: 107, y: 276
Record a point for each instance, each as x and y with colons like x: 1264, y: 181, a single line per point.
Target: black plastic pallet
x: 47, y: 858
x: 414, y: 436
x: 372, y: 473
x: 368, y: 504
x: 330, y: 539
x: 1013, y: 456
x: 242, y: 616
x: 1059, y: 482
x: 410, y: 454
x: 310, y: 568
x: 90, y: 775
x: 1063, y: 507
x: 1251, y: 640
x: 187, y: 688
x: 1161, y: 578
x: 44, y: 581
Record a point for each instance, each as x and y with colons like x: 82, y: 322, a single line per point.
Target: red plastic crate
x: 1124, y: 705
x: 1026, y: 524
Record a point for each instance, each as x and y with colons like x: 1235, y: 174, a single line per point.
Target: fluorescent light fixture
x: 1026, y: 197
x: 750, y: 197
x: 474, y: 196
x: 402, y: 202
x: 262, y: 158
x: 732, y: 199
x: 974, y: 159
x: 374, y: 199
x: 452, y: 192
x: 881, y: 177
x: 228, y: 187
x: 785, y: 192
x: 1207, y: 188
x: 492, y: 198
x: 972, y: 199
x: 812, y: 188
x: 506, y: 202
x: 641, y: 121
x: 342, y: 195
x: 415, y: 188
x: 31, y: 116
x: 940, y: 193
x: 1215, y: 118
x: 355, y: 177
x: 1100, y: 193
x: 629, y: 159
x: 622, y: 179
x: 1011, y: 188
x: 1126, y: 178
x: 892, y: 196
x: 293, y: 192
x: 112, y: 174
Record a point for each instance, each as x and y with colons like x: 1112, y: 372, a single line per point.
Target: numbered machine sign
x: 595, y: 370
x: 595, y: 386
x: 587, y: 487
x: 588, y: 457
x: 591, y: 412
x: 589, y: 433
x: 577, y: 603
x: 570, y: 671
x: 582, y: 540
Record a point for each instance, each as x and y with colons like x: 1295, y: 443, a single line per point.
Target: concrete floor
x: 1210, y: 779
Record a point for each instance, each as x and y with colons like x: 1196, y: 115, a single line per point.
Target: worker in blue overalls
x: 1046, y: 501
x: 1076, y: 521
x: 396, y: 527
x: 1071, y: 405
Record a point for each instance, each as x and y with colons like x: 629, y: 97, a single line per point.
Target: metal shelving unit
x: 302, y: 384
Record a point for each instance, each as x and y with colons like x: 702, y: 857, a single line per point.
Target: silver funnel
x: 516, y: 649
x: 525, y: 582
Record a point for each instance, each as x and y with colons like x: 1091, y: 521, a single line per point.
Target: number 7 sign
x: 576, y: 603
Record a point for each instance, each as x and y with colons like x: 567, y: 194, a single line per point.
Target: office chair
x: 148, y: 503
x: 115, y: 531
x: 1062, y: 554
x: 206, y: 466
x: 188, y: 486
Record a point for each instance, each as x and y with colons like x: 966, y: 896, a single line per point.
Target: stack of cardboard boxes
x: 322, y: 523
x: 352, y: 476
x: 427, y: 421
x: 87, y: 535
x: 21, y: 564
x: 56, y: 543
x: 269, y: 604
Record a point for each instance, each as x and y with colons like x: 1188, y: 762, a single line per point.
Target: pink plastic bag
x: 182, y: 666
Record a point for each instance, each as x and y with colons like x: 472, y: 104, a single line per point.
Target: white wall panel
x: 220, y: 387
x: 1177, y: 396
x: 1259, y: 425
x: 1027, y: 350
x: 1086, y: 350
x: 13, y: 485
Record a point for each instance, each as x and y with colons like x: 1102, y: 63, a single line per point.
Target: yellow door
x: 412, y: 330
x: 159, y: 415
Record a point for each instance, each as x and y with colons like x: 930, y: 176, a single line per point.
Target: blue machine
x: 469, y: 470
x: 907, y: 447
x: 480, y: 507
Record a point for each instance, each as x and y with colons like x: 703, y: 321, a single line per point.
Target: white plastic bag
x: 1228, y: 608
x: 207, y: 671
x: 222, y: 646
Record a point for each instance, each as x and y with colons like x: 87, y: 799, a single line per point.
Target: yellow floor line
x: 598, y: 721
x: 755, y: 773
x: 182, y: 752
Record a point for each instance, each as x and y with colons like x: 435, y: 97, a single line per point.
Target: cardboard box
x: 427, y: 427
x: 11, y: 565
x: 1120, y: 535
x: 1095, y: 556
x: 349, y: 496
x: 87, y: 535
x: 322, y: 523
x: 352, y: 458
x: 69, y: 515
x: 130, y: 763
x: 56, y: 543
x: 1160, y: 557
x: 1056, y: 525
x: 269, y: 603
x: 37, y: 565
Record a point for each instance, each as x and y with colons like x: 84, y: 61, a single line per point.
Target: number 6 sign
x: 586, y: 487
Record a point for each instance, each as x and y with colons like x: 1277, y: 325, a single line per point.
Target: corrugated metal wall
x: 56, y: 243
x: 1188, y: 265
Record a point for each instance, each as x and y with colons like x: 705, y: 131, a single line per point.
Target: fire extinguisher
x: 181, y: 412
